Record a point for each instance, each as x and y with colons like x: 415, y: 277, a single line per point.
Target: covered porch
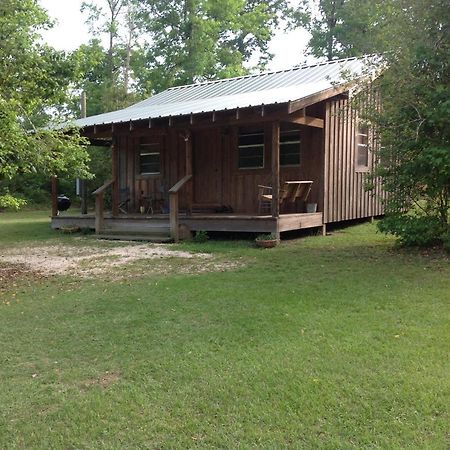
x: 206, y: 174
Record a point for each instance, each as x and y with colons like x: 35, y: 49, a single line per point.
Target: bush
x: 412, y: 230
x: 200, y: 236
x: 7, y: 201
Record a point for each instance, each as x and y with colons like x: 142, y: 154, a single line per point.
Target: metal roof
x: 240, y: 92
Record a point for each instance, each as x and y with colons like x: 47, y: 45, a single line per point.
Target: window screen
x: 362, y: 147
x: 290, y: 148
x: 251, y: 150
x: 149, y: 159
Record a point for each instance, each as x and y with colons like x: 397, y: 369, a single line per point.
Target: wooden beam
x: 99, y: 212
x: 115, y: 177
x: 306, y: 120
x: 189, y: 171
x: 54, y: 196
x: 173, y: 217
x: 315, y: 98
x: 275, y: 144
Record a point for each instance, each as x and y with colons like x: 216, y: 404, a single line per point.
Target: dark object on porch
x: 224, y: 209
x: 124, y: 200
x: 63, y: 203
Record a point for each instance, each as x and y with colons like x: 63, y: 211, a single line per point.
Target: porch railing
x: 174, y: 206
x: 100, y: 205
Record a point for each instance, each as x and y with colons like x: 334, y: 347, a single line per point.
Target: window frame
x: 144, y: 149
x: 262, y: 146
x: 298, y: 141
x: 362, y: 130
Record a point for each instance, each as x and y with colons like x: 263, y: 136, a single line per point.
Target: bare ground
x: 91, y: 261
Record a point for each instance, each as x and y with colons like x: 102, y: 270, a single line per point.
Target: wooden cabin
x: 265, y: 153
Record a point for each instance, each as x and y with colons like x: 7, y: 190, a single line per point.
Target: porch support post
x: 189, y: 170
x: 54, y: 196
x: 99, y: 208
x: 83, y: 183
x: 276, y: 175
x: 115, y: 177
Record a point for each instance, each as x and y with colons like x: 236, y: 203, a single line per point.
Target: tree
x: 341, y: 28
x: 105, y: 74
x: 413, y: 146
x: 194, y: 40
x: 33, y: 79
x: 414, y: 122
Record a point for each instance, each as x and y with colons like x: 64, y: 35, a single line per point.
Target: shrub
x: 412, y: 230
x: 200, y: 236
x: 9, y: 202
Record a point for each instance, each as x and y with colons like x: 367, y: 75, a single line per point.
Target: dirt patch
x: 104, y: 381
x: 15, y: 276
x: 90, y: 261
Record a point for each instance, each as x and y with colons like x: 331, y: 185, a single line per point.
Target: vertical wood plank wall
x: 216, y: 176
x: 344, y: 195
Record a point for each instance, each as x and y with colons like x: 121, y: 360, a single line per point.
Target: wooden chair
x: 289, y: 193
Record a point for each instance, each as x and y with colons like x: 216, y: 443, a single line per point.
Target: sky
x: 70, y: 32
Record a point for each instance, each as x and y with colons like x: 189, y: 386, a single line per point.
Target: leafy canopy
x: 33, y: 78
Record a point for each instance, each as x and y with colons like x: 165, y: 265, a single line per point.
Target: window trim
x: 359, y: 132
x: 262, y: 145
x: 144, y: 150
x: 298, y: 141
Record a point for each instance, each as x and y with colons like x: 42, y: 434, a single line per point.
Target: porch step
x: 157, y: 239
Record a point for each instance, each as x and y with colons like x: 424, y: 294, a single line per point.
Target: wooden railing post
x: 173, y: 205
x: 174, y: 221
x: 100, y: 205
x: 99, y: 213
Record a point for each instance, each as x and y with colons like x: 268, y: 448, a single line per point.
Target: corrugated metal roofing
x: 240, y: 92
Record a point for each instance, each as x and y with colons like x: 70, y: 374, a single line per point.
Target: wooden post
x: 275, y: 144
x: 83, y: 183
x: 99, y: 206
x: 189, y: 190
x: 174, y: 225
x: 54, y: 196
x: 115, y: 177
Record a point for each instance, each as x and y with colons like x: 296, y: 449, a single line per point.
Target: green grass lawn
x: 337, y: 342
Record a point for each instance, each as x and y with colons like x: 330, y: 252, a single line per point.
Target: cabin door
x: 207, y: 170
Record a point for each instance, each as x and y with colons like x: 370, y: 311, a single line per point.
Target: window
x: 290, y: 148
x: 362, y: 148
x: 251, y: 150
x: 149, y: 159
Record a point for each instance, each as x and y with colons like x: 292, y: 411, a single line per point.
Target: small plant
x: 266, y: 237
x: 266, y: 240
x: 200, y: 236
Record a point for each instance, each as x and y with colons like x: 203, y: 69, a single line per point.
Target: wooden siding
x: 344, y: 194
x: 217, y: 180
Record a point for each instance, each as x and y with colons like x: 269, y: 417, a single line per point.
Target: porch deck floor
x: 197, y: 221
